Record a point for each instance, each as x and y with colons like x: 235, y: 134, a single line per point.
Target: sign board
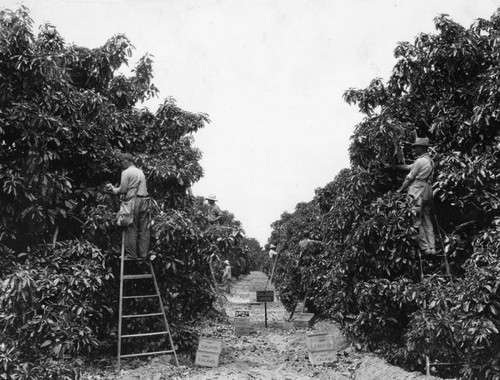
x: 319, y: 342
x: 265, y: 295
x: 207, y: 359
x: 210, y: 345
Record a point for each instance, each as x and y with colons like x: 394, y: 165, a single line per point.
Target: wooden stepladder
x: 161, y: 313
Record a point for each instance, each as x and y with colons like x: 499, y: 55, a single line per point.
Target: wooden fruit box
x: 303, y: 321
x: 320, y: 357
x: 207, y: 359
x: 319, y: 342
x: 242, y: 314
x: 241, y: 322
x: 210, y: 345
x: 238, y: 330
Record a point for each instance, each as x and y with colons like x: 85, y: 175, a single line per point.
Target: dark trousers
x: 138, y: 235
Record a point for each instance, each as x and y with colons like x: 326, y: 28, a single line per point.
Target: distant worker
x: 307, y: 243
x: 133, y: 184
x: 226, y: 277
x: 272, y: 251
x: 214, y: 212
x: 418, y: 182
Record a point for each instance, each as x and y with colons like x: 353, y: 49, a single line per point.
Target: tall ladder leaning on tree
x: 448, y: 274
x: 161, y: 313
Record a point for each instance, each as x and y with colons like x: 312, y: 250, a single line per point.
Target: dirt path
x: 276, y: 352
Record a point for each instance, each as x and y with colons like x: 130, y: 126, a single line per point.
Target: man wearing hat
x: 418, y: 182
x: 226, y: 276
x: 133, y: 184
x: 214, y: 212
x: 272, y: 251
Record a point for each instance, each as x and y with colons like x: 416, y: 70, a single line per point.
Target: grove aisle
x: 278, y: 352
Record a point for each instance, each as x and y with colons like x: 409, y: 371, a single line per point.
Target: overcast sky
x: 270, y: 73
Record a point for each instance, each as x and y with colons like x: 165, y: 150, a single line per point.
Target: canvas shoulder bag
x: 125, y: 215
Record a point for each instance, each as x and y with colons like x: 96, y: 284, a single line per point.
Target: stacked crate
x: 321, y: 348
x: 208, y: 353
x: 304, y: 321
x: 242, y: 322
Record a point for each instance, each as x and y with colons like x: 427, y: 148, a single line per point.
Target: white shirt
x: 133, y: 178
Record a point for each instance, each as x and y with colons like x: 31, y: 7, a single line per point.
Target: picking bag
x: 125, y: 215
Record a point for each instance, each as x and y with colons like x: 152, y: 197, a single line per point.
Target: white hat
x: 226, y: 262
x: 421, y: 141
x: 211, y: 197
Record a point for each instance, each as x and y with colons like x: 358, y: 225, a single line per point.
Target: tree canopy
x: 443, y: 86
x: 65, y: 113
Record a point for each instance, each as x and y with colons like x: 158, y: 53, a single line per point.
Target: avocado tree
x: 444, y: 86
x: 65, y: 113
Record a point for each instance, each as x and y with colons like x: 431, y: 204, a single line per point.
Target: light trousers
x: 426, y: 240
x: 138, y: 235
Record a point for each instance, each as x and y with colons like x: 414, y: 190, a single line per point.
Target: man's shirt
x: 227, y: 272
x: 421, y: 169
x: 215, y: 212
x: 132, y: 179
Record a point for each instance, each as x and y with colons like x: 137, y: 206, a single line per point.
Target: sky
x: 269, y: 73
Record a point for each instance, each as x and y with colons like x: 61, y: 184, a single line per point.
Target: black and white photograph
x: 249, y: 189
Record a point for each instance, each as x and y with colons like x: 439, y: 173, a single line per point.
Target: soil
x: 276, y: 352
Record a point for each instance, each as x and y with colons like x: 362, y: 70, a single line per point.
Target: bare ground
x: 276, y: 352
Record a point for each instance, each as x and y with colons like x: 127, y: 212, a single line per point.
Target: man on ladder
x: 135, y: 246
x: 133, y: 185
x: 418, y: 182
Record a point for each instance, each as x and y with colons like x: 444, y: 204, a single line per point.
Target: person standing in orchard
x: 214, y: 212
x: 133, y: 185
x: 272, y: 251
x: 226, y: 276
x: 418, y: 182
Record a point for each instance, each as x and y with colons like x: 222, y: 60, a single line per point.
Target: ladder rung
x: 141, y: 296
x: 147, y: 353
x: 136, y: 276
x: 141, y: 315
x: 145, y: 334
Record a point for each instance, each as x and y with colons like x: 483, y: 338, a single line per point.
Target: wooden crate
x: 252, y: 297
x: 320, y: 357
x: 242, y: 314
x: 303, y: 321
x: 319, y: 342
x: 239, y: 330
x: 210, y: 345
x: 207, y: 359
x: 299, y: 307
x: 241, y: 322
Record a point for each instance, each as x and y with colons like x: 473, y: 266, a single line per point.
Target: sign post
x: 265, y: 296
x: 265, y: 313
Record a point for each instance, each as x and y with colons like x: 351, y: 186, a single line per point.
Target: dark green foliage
x: 54, y: 305
x: 65, y: 113
x: 257, y: 256
x: 368, y: 273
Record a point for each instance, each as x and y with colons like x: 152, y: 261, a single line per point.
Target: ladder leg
x: 163, y: 311
x: 120, y: 306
